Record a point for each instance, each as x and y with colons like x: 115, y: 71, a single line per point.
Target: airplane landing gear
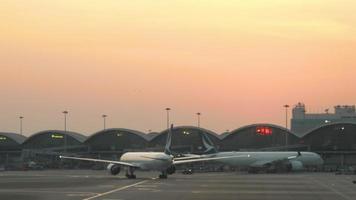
x: 163, y: 175
x: 130, y: 173
x: 133, y: 176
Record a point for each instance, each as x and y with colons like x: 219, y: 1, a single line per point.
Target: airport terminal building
x: 335, y: 141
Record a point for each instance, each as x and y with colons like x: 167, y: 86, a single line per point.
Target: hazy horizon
x: 236, y: 62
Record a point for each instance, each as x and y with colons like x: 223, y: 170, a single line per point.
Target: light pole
x: 65, y: 130
x: 168, y: 109
x: 286, y: 107
x: 104, y: 119
x: 198, y: 114
x: 21, y: 118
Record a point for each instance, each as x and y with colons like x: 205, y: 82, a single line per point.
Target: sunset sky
x: 236, y: 62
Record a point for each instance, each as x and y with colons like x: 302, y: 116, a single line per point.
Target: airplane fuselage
x: 155, y: 161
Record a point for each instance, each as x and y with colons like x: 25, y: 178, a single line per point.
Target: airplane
x: 148, y: 161
x: 272, y: 161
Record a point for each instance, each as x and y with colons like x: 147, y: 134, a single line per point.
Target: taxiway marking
x: 344, y: 196
x: 118, y: 189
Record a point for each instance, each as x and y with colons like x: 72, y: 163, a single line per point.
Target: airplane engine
x: 296, y: 165
x: 171, y: 169
x: 113, y: 169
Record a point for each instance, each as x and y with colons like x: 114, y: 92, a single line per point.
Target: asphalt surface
x: 88, y: 184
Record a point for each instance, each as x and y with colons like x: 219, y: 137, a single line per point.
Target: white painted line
x: 46, y: 191
x: 117, y: 189
x: 112, y: 199
x: 332, y: 189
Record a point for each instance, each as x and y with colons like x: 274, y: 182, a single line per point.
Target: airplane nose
x: 320, y: 161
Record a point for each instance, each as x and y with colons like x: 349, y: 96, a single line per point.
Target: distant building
x: 303, y: 122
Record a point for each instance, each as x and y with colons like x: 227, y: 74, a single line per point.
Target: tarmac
x: 91, y: 184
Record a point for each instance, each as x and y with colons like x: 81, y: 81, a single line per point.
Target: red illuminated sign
x: 264, y: 131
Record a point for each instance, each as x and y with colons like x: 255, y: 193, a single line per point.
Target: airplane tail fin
x: 167, y: 149
x: 208, y: 144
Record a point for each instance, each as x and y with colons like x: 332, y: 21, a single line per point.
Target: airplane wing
x: 103, y: 161
x: 293, y: 157
x: 261, y: 163
x: 191, y: 156
x: 177, y: 162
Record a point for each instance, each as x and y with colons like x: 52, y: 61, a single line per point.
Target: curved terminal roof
x: 238, y: 130
x: 332, y: 137
x: 209, y: 132
x: 19, y: 139
x: 117, y: 139
x: 53, y: 139
x: 79, y: 137
x: 324, y: 137
x: 151, y: 135
x: 325, y: 126
x: 185, y: 139
x: 258, y: 136
x: 135, y: 132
